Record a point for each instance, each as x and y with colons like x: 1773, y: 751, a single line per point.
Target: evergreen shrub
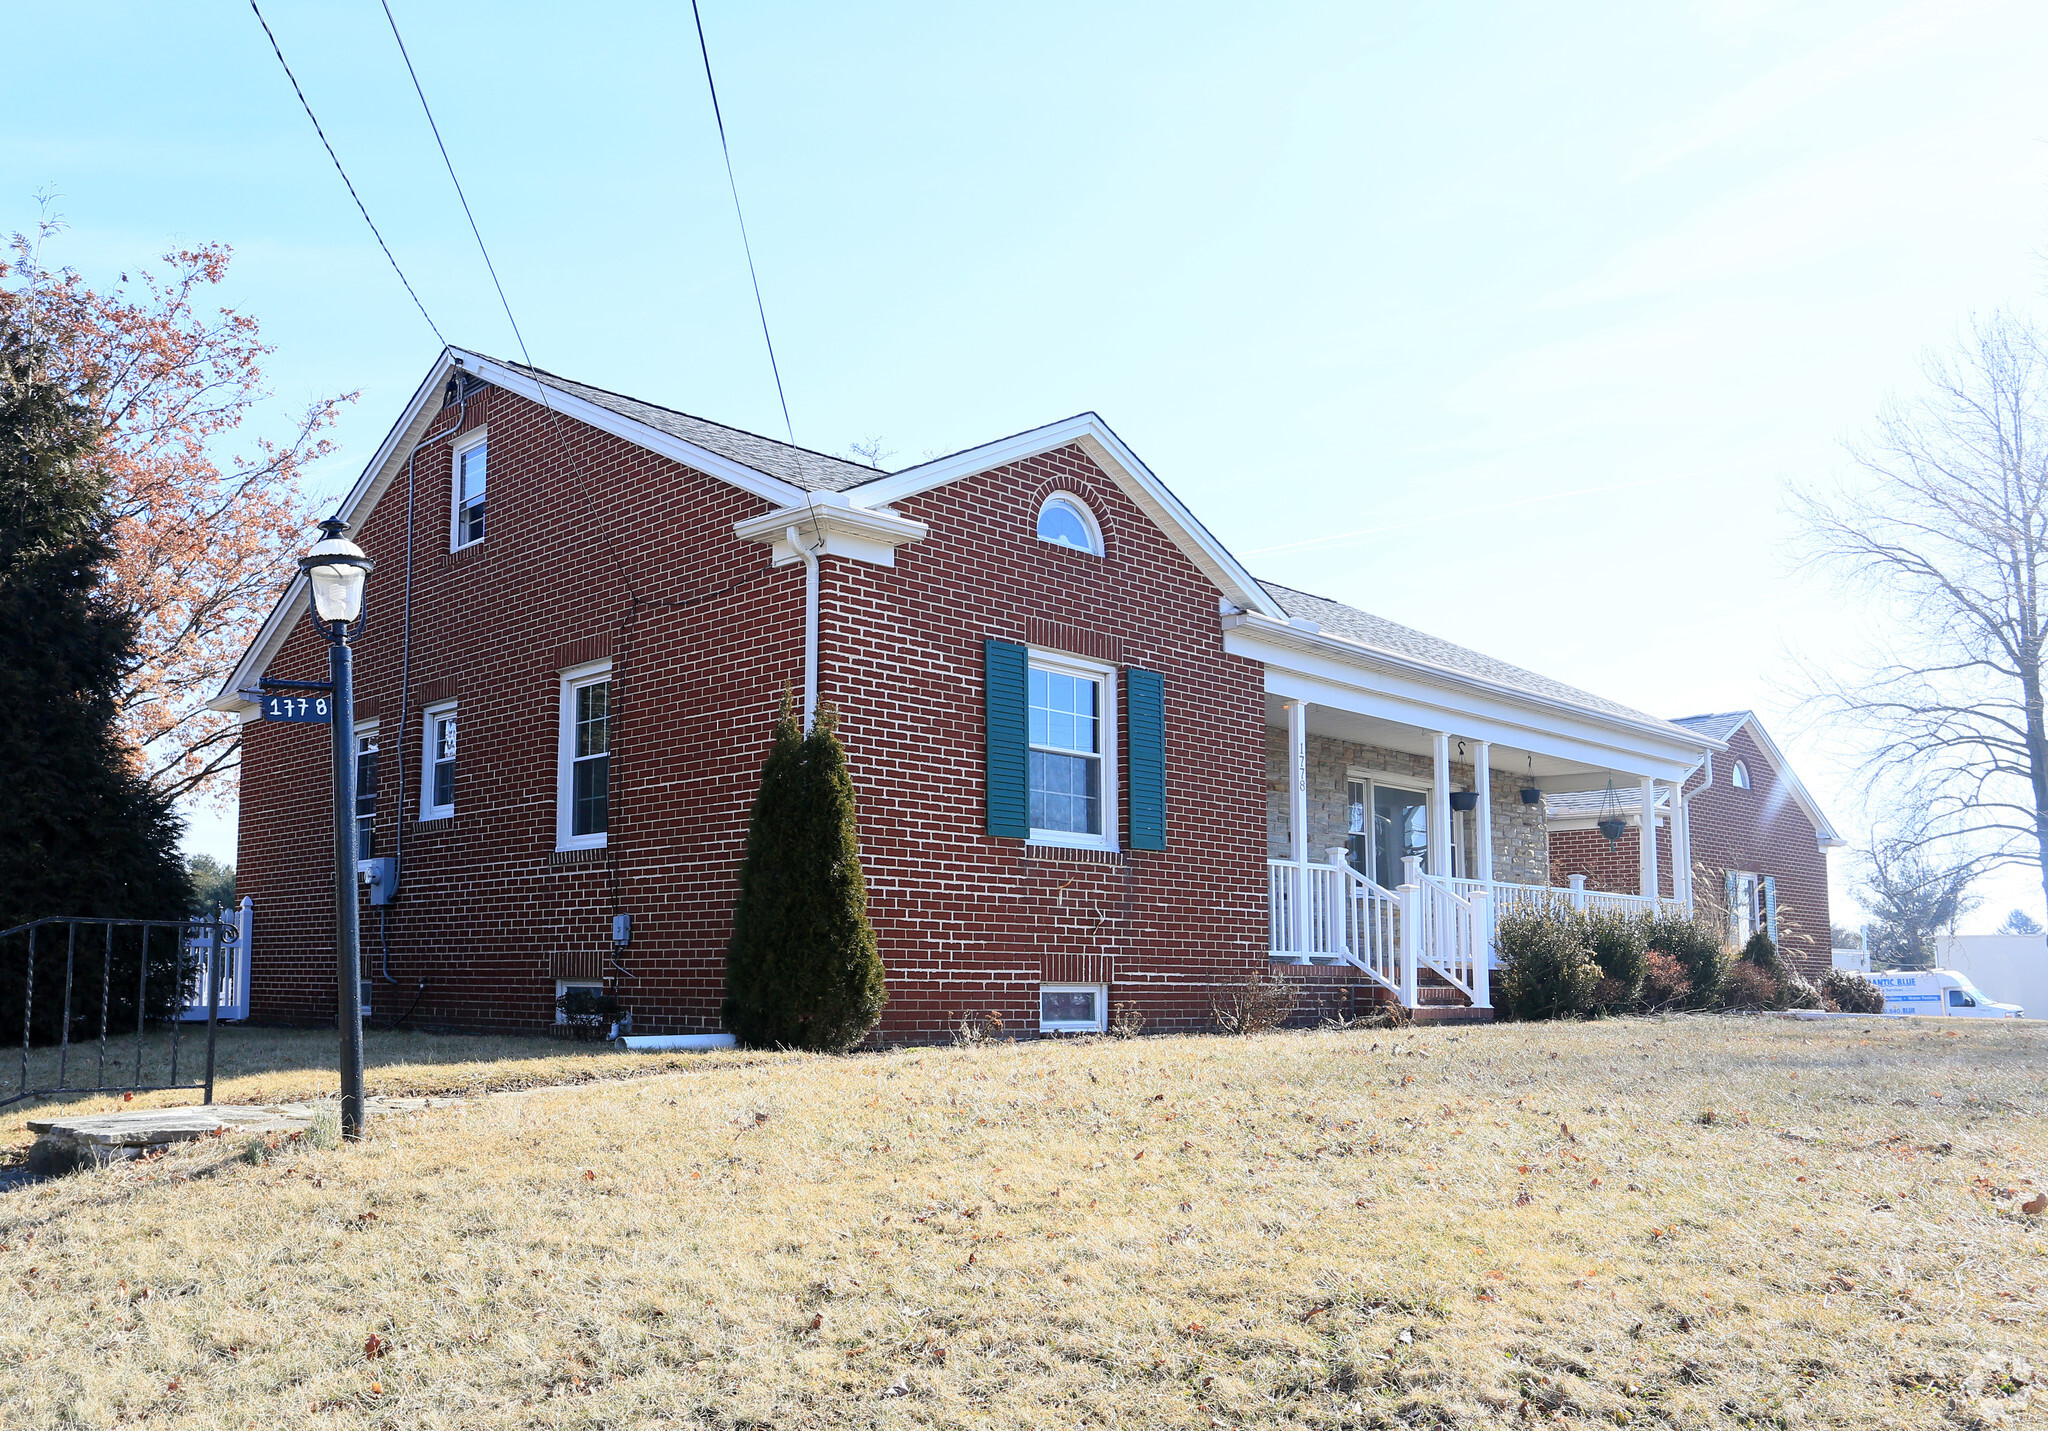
x: 1619, y: 941
x: 1546, y: 965
x: 1696, y: 945
x: 802, y: 969
x: 1800, y: 992
x: 1762, y: 951
x: 1749, y: 988
x: 1850, y: 992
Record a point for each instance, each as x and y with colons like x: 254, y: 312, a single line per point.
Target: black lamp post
x: 337, y: 571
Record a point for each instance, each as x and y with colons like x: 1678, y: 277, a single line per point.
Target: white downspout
x: 810, y: 560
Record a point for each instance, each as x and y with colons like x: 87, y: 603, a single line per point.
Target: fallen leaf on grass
x: 375, y: 1347
x: 2035, y: 1205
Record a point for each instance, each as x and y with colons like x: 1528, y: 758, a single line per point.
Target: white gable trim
x: 399, y: 444
x: 1122, y: 467
x: 1822, y: 828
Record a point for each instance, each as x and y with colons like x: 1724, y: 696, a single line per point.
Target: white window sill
x: 447, y: 814
x: 582, y: 842
x: 1060, y: 839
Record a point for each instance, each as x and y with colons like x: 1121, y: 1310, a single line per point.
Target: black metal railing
x: 101, y: 989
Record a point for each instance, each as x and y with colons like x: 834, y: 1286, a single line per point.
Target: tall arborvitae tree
x: 802, y: 970
x: 81, y: 832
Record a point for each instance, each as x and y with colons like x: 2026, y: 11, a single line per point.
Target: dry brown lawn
x: 1687, y: 1222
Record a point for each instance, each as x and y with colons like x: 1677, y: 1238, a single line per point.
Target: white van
x: 1939, y: 991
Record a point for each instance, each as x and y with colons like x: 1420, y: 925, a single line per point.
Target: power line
x: 276, y: 50
x: 450, y: 163
x: 745, y: 243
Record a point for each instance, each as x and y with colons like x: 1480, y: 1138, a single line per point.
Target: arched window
x: 1065, y: 521
x: 1739, y: 776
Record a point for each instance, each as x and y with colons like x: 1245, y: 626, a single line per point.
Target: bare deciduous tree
x: 1946, y: 539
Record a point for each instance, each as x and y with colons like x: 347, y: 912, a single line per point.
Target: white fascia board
x: 1323, y: 670
x: 354, y: 509
x: 830, y: 525
x: 760, y: 484
x: 1122, y: 467
x: 1825, y: 831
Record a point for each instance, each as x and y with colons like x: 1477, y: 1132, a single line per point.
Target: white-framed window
x: 593, y: 987
x: 1073, y: 1008
x: 1066, y: 521
x: 1748, y: 911
x: 1070, y: 782
x: 366, y: 790
x: 583, y: 760
x: 437, y: 762
x: 472, y: 461
x: 1738, y: 776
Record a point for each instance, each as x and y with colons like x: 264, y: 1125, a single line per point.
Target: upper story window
x: 471, y: 463
x: 1065, y: 521
x: 583, y: 782
x: 1739, y: 776
x: 366, y: 791
x: 437, y: 780
x: 1069, y: 781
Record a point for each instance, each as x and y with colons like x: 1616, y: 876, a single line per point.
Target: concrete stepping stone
x: 96, y: 1139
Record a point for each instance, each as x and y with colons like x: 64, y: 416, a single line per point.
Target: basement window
x: 1073, y: 1008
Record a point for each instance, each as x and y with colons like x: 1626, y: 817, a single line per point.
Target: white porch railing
x: 1509, y: 897
x: 234, y: 989
x: 1455, y: 930
x: 1332, y: 914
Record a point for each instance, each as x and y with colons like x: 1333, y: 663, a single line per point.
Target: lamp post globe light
x: 336, y: 572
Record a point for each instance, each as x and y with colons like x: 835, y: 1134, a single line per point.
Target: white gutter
x: 810, y: 560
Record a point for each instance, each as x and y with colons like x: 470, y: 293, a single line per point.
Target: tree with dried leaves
x: 1945, y: 538
x: 203, y: 537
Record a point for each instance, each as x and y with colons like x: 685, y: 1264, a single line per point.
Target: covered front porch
x: 1405, y: 811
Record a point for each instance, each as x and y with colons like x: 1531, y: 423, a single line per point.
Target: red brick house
x: 1098, y: 762
x: 1758, y: 841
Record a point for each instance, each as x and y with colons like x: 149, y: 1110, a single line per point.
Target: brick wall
x: 604, y: 548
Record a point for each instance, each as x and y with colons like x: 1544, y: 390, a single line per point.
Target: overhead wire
x: 361, y: 208
x: 746, y: 244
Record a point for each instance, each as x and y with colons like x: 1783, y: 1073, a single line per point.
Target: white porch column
x: 1297, y: 781
x: 1482, y: 782
x: 1648, y: 846
x: 1440, y: 810
x: 1681, y: 845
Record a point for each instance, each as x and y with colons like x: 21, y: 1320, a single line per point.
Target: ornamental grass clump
x: 802, y: 970
x: 1547, y: 969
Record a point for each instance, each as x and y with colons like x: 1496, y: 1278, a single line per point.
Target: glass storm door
x: 1400, y: 828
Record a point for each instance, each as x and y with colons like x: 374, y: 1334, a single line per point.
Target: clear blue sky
x: 1506, y: 321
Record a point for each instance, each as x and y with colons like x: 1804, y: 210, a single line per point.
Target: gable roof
x: 1720, y: 727
x: 1366, y: 629
x: 798, y: 466
x: 1723, y: 726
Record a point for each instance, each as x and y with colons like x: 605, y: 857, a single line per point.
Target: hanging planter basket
x: 1464, y: 799
x: 1610, y: 823
x: 1532, y: 796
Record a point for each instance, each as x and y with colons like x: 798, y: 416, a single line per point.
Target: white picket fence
x: 234, y: 954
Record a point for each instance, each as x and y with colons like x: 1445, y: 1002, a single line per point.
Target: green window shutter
x: 1145, y: 712
x: 1771, y: 908
x: 1004, y: 665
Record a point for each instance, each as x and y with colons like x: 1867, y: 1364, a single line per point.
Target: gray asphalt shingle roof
x: 798, y: 466
x: 1715, y: 727
x: 1348, y: 622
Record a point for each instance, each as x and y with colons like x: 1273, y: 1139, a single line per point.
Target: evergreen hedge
x: 802, y: 970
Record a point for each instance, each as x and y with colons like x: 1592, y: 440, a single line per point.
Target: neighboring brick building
x: 1057, y: 691
x: 1759, y: 842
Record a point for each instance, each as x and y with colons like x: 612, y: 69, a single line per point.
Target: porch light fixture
x: 337, y: 571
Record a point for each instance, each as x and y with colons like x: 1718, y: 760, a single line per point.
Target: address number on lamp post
x: 302, y: 710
